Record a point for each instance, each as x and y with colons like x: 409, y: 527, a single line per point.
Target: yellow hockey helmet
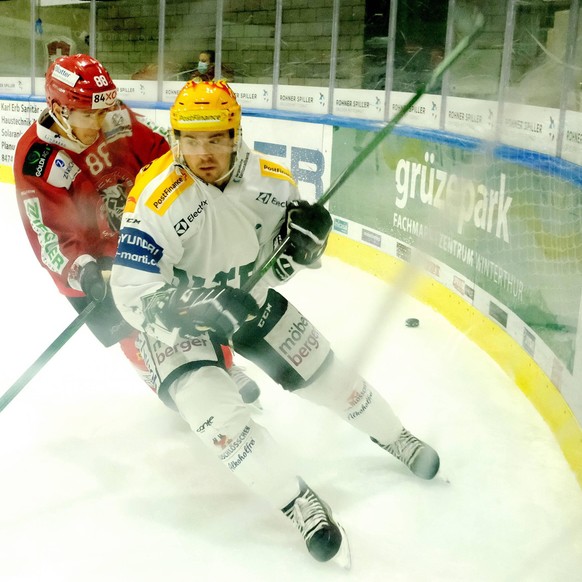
x: 206, y: 106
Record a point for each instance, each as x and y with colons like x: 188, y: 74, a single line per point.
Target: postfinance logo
x: 272, y: 170
x: 167, y: 192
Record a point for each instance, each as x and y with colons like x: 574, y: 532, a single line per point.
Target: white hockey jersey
x: 177, y: 229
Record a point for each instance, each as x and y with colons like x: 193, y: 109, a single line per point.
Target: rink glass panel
x: 539, y: 59
x: 419, y: 44
x: 477, y: 74
x: 305, y: 44
x: 59, y: 30
x: 248, y: 43
x: 15, y: 53
x: 529, y: 53
x: 190, y: 27
x: 127, y: 38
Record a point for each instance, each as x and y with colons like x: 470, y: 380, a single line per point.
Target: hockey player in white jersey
x: 197, y: 222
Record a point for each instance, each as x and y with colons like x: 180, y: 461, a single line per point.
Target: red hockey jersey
x: 71, y: 197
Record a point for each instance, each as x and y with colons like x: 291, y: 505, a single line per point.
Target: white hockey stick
x: 380, y: 136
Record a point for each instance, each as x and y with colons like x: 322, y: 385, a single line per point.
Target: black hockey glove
x: 219, y: 309
x: 284, y: 267
x: 105, y: 321
x: 92, y: 282
x: 308, y: 226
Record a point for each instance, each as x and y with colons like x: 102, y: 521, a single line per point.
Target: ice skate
x: 419, y: 457
x: 324, y: 537
x: 247, y: 387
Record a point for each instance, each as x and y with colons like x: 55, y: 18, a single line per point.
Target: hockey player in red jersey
x: 73, y: 169
x: 197, y: 222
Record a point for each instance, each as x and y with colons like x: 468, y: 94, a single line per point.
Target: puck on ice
x: 412, y: 322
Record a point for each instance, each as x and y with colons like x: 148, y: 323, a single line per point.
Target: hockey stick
x: 39, y: 363
x: 380, y: 136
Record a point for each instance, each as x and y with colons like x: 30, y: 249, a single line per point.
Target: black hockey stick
x: 39, y: 363
x: 380, y: 136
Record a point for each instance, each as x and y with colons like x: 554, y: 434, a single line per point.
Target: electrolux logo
x: 264, y: 197
x: 182, y: 226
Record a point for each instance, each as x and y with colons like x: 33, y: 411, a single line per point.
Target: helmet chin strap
x: 66, y: 127
x: 226, y: 176
x: 233, y: 157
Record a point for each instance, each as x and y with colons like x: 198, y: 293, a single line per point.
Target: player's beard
x: 197, y: 169
x: 225, y: 178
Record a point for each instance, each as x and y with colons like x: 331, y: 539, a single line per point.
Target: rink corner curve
x: 486, y: 334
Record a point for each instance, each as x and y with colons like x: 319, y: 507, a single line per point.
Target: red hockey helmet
x: 79, y: 82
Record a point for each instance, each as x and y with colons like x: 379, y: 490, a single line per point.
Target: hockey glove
x: 285, y: 267
x: 92, y: 277
x: 219, y: 309
x: 308, y: 226
x: 86, y: 275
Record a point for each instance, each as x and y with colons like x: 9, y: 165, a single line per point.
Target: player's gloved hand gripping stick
x: 380, y: 136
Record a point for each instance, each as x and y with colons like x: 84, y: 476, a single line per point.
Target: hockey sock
x: 353, y: 399
x: 209, y: 401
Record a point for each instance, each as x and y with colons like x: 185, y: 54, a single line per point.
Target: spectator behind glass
x: 204, y: 70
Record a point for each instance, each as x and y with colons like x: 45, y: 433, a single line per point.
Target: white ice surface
x: 99, y: 481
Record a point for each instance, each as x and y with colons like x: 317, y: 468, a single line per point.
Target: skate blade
x: 343, y: 558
